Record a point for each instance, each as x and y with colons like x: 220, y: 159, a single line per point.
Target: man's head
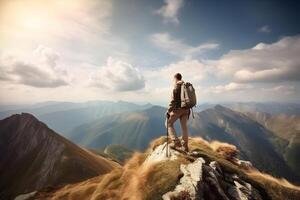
x: 177, y: 77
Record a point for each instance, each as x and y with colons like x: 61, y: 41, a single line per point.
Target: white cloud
x: 264, y: 29
x: 118, y: 76
x: 193, y: 71
x: 284, y: 88
x: 276, y: 62
x: 267, y: 75
x: 179, y: 47
x: 231, y: 87
x: 280, y: 89
x: 40, y: 69
x: 261, y: 73
x: 170, y: 11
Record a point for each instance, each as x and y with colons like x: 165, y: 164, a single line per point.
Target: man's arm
x: 172, y: 103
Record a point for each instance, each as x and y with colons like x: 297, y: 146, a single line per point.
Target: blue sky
x: 129, y: 50
x: 232, y: 24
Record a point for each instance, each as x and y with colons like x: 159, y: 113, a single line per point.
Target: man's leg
x: 173, y: 117
x: 183, y: 122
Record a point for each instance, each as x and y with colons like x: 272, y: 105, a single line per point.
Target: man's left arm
x: 171, y: 104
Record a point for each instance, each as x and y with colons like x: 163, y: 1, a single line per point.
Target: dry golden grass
x: 276, y: 189
x: 279, y: 181
x: 137, y: 180
x: 228, y: 151
x: 225, y: 150
x: 156, y: 143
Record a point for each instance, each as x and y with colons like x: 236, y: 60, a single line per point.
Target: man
x: 175, y: 112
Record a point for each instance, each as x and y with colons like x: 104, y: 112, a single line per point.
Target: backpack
x: 187, y: 96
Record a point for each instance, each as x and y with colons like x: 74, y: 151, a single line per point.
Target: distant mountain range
x: 32, y: 157
x: 64, y: 116
x: 267, y: 107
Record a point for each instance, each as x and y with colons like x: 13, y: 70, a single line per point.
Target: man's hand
x: 167, y: 114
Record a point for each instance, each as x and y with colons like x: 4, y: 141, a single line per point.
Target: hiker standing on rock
x: 183, y: 98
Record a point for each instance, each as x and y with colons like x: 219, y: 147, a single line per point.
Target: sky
x: 79, y: 50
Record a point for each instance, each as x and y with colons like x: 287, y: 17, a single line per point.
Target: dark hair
x: 178, y: 76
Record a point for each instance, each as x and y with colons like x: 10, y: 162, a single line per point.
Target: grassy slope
x: 132, y: 129
x: 152, y: 182
x: 39, y: 157
x: 116, y: 152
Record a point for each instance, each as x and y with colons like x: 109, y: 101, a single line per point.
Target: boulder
x: 188, y: 184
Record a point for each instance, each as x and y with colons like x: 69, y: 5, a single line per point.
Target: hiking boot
x: 175, y: 143
x: 185, y: 146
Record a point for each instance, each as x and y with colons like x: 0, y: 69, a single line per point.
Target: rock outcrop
x: 202, y: 180
x: 189, y: 182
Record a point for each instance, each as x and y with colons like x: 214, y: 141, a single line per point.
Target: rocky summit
x: 210, y: 171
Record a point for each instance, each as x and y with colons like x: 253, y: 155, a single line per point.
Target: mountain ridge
x: 34, y: 156
x: 285, y: 135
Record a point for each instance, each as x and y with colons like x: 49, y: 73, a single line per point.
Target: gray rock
x: 160, y: 154
x: 216, y: 167
x: 245, y: 164
x: 25, y: 196
x: 202, y: 181
x: 192, y: 176
x: 213, y: 184
x: 243, y: 192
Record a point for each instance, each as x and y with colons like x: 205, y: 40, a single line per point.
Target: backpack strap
x: 193, y: 113
x: 182, y: 91
x: 191, y: 109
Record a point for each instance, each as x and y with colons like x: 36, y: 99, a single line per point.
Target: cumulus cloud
x: 276, y: 62
x: 178, y: 47
x: 264, y: 29
x: 40, y: 69
x: 230, y: 87
x: 281, y: 89
x: 118, y: 76
x: 263, y: 72
x: 194, y: 71
x: 267, y: 75
x: 170, y: 10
